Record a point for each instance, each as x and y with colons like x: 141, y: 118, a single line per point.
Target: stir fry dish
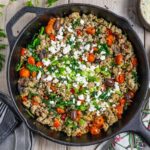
x: 78, y: 74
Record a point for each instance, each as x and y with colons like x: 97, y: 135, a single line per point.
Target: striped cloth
x: 14, y: 135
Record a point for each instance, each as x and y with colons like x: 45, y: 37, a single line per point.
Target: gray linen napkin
x: 14, y: 135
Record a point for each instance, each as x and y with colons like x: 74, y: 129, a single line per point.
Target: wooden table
x: 125, y: 8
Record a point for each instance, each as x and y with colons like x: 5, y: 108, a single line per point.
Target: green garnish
x: 33, y: 68
x: 19, y: 65
x: 76, y: 23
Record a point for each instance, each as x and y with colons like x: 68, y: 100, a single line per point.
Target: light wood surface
x: 125, y: 8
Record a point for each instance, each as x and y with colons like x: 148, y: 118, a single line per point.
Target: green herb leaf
x: 18, y: 66
x: 2, y: 60
x: 105, y: 95
x: 2, y: 46
x: 1, y: 5
x: 42, y: 30
x: 103, y: 47
x: 2, y: 34
x: 50, y: 2
x: 33, y: 68
x: 29, y: 3
x: 76, y: 23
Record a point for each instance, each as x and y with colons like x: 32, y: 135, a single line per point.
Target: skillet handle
x: 136, y: 125
x: 16, y: 17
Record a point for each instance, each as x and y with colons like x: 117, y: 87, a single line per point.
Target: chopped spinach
x: 135, y: 76
x: 76, y: 23
x: 105, y: 95
x: 103, y: 47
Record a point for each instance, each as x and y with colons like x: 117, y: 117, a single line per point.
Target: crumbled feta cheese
x: 52, y: 49
x: 103, y: 52
x: 59, y: 37
x: 76, y: 54
x: 65, y: 82
x: 55, y: 80
x: 52, y: 102
x: 48, y: 78
x: 72, y: 38
x: 82, y: 66
x: 75, y: 85
x: 97, y: 83
x: 92, y: 67
x: 82, y: 22
x: 84, y: 58
x: 74, y: 100
x: 68, y: 70
x: 70, y: 29
x: 92, y: 108
x: 87, y: 47
x: 46, y: 62
x: 97, y: 113
x: 88, y: 99
x: 81, y: 97
x: 39, y: 75
x: 66, y: 49
x: 63, y: 44
x: 78, y: 103
x: 60, y: 32
x: 113, y: 105
x: 117, y: 88
x: 103, y: 57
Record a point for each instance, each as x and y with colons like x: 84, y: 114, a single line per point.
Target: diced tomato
x: 122, y: 101
x: 60, y: 110
x: 33, y: 74
x: 94, y: 130
x: 49, y: 28
x: 119, y: 59
x: 24, y: 73
x: 90, y: 30
x: 79, y: 134
x: 119, y: 109
x: 24, y: 99
x: 109, y: 31
x: 35, y: 102
x: 72, y: 90
x: 99, y: 122
x: 95, y: 49
x: 39, y: 64
x: 120, y: 78
x: 91, y: 57
x: 52, y: 37
x: 23, y: 51
x: 79, y: 32
x: 31, y: 60
x: 134, y: 61
x: 110, y: 39
x: 56, y: 123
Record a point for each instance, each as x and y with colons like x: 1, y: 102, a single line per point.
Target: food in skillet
x: 78, y: 75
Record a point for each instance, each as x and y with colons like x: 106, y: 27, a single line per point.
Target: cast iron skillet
x: 131, y: 120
